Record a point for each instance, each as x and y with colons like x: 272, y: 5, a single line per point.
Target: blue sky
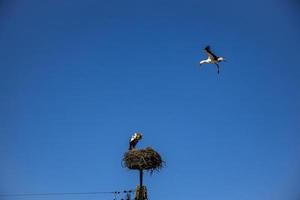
x: 78, y: 78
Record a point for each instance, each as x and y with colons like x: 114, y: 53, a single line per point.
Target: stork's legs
x: 218, y: 68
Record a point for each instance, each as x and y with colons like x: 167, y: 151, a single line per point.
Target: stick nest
x: 143, y: 159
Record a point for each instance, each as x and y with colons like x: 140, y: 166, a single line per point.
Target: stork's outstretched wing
x: 210, y: 54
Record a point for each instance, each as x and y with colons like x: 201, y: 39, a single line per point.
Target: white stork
x: 212, y: 58
x: 134, y: 140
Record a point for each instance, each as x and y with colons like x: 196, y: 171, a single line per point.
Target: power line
x: 62, y: 193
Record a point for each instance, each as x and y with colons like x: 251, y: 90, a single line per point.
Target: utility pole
x: 141, y: 159
x: 141, y: 177
x: 141, y: 191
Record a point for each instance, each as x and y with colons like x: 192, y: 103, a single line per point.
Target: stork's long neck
x: 204, y: 61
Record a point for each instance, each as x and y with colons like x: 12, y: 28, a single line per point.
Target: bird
x: 134, y: 140
x: 212, y: 58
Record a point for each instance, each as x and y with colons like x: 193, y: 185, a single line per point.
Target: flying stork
x: 212, y: 58
x: 134, y: 140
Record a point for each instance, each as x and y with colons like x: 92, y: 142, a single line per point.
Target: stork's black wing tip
x: 207, y: 47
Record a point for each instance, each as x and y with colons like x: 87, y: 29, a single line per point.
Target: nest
x: 143, y: 159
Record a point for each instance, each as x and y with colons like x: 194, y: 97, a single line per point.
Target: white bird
x: 134, y: 140
x: 212, y: 58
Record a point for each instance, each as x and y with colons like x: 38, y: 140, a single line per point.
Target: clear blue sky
x: 77, y: 78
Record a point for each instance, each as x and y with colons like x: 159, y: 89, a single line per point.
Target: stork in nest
x: 212, y: 58
x: 134, y: 140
